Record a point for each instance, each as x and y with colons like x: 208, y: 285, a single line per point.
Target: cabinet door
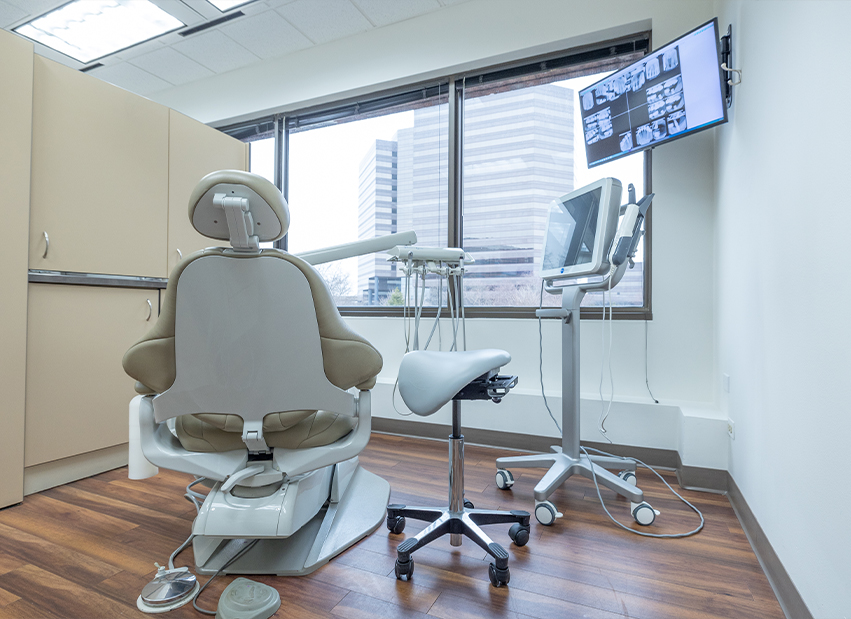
x: 16, y: 74
x: 99, y: 176
x: 195, y: 150
x: 77, y: 391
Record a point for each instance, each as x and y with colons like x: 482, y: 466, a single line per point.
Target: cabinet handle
x: 150, y: 310
x: 46, y: 245
x: 179, y: 254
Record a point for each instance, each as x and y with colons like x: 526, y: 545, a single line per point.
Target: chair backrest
x: 247, y: 341
x: 245, y: 330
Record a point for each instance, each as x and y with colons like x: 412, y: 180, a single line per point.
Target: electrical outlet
x: 731, y: 429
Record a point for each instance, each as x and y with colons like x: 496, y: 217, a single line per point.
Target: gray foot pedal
x: 247, y: 599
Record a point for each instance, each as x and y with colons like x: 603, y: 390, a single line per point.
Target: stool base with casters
x: 460, y: 518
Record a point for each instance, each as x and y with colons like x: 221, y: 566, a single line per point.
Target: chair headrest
x: 240, y: 207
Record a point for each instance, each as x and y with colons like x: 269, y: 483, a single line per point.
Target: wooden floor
x: 86, y: 550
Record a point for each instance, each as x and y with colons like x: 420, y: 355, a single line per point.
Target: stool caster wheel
x: 546, y: 513
x: 498, y: 577
x: 504, y: 479
x: 628, y: 477
x: 469, y: 504
x: 405, y: 570
x: 396, y: 524
x: 643, y: 513
x: 519, y: 534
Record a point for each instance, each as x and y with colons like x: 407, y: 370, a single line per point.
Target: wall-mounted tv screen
x: 672, y: 92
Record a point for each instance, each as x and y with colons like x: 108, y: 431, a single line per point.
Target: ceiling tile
x: 10, y: 14
x: 34, y: 8
x: 325, y: 20
x: 130, y: 78
x: 382, y: 12
x: 171, y: 66
x: 267, y: 35
x: 138, y: 50
x: 216, y: 51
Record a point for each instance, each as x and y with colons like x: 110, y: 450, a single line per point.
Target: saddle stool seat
x: 427, y: 381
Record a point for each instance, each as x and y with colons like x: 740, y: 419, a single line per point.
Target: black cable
x: 646, y: 364
x: 219, y: 571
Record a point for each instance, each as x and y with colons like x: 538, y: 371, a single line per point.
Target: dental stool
x: 427, y: 381
x: 253, y: 363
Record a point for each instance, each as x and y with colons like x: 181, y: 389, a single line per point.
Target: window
x: 379, y: 165
x: 523, y: 147
x: 368, y: 173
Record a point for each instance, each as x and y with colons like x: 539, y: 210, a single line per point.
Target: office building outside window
x: 372, y: 167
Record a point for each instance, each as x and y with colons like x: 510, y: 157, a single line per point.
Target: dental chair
x: 245, y: 380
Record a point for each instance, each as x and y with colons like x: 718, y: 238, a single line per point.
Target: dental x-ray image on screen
x: 674, y: 91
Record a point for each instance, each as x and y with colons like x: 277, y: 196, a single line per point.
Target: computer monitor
x: 670, y: 93
x: 580, y: 228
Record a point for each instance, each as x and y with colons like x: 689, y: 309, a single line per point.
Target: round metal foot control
x: 168, y: 590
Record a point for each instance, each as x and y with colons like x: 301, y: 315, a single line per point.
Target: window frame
x: 406, y: 97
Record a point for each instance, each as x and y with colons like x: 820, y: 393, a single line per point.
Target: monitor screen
x: 672, y: 92
x: 579, y: 227
x: 571, y: 230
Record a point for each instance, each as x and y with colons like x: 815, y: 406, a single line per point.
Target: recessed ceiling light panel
x: 87, y: 30
x: 227, y: 5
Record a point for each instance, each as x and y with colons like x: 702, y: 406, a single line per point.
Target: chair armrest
x: 161, y: 448
x: 294, y: 462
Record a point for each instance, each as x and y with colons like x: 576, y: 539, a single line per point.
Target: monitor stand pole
x: 567, y: 459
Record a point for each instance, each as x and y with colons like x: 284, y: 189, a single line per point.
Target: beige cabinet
x: 99, y: 176
x: 195, y: 150
x: 77, y: 392
x: 16, y: 74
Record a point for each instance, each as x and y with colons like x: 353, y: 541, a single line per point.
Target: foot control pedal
x: 247, y: 599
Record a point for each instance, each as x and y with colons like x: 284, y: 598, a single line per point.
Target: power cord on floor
x: 230, y: 561
x: 585, y: 450
x: 647, y: 466
x: 194, y: 497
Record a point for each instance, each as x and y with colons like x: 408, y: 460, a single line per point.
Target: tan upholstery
x: 348, y: 359
x: 224, y: 432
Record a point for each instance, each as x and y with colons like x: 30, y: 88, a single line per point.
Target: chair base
x: 457, y: 520
x: 561, y: 467
x: 334, y: 528
x: 467, y: 522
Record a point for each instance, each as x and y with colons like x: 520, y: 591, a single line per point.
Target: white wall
x: 782, y: 227
x: 682, y: 367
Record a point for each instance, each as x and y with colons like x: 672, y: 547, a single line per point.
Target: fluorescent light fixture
x: 87, y: 30
x: 227, y: 5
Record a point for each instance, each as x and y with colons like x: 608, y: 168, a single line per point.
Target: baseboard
x: 710, y: 480
x: 65, y: 470
x: 697, y: 478
x: 787, y: 594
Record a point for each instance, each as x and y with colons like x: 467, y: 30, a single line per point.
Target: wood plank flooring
x: 86, y: 549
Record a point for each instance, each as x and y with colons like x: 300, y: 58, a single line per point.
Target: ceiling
x: 268, y: 29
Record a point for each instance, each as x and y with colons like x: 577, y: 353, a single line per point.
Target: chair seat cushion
x: 291, y: 430
x: 429, y: 379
